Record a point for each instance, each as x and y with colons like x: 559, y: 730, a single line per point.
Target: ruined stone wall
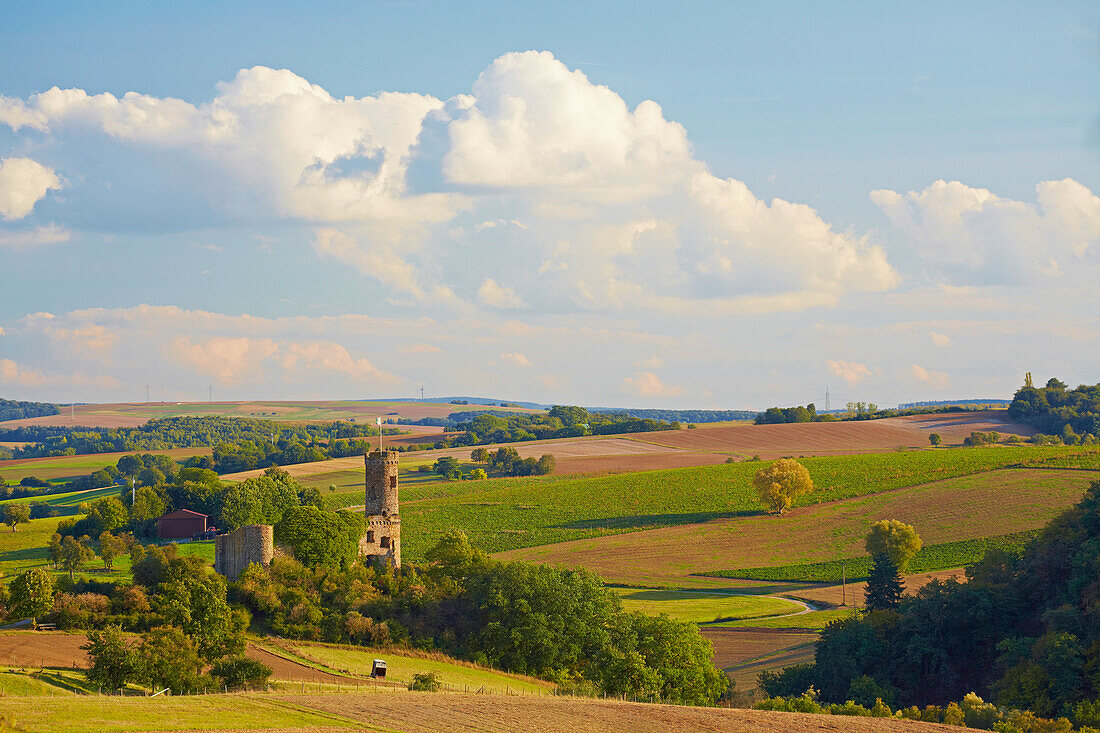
x: 233, y: 552
x: 382, y: 540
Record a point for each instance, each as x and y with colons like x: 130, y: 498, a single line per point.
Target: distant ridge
x: 940, y: 403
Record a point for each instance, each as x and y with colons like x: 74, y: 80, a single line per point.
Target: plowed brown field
x: 42, y: 649
x: 429, y: 713
x: 837, y: 438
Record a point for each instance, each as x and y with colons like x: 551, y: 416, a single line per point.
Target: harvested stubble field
x: 133, y: 414
x: 413, y: 712
x: 66, y: 468
x: 835, y: 438
x: 745, y: 653
x: 507, y: 514
x: 988, y: 504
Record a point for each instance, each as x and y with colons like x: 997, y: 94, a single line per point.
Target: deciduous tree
x: 31, y: 594
x: 894, y: 539
x: 16, y: 514
x: 780, y: 483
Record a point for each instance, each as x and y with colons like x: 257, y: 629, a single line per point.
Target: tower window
x: 370, y: 536
x: 393, y: 482
x: 385, y: 542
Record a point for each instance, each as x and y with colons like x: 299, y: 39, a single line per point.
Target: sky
x: 696, y: 205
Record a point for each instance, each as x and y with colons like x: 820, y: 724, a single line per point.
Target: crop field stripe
x: 941, y: 556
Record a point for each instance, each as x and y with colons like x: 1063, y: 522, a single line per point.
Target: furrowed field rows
x: 504, y: 514
x: 931, y: 557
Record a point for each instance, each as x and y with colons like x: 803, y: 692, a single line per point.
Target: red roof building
x: 181, y: 524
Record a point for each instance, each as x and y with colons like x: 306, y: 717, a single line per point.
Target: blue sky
x: 897, y: 203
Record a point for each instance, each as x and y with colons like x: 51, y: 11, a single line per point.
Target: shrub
x: 426, y: 682
x: 238, y: 672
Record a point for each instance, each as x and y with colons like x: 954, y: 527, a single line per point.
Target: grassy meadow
x: 400, y: 667
x: 704, y: 607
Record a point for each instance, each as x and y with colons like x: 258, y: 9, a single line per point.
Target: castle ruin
x: 383, y: 538
x: 233, y: 552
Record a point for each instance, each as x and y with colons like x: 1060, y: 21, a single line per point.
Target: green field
x: 933, y: 557
x: 358, y: 661
x: 95, y: 714
x: 69, y: 499
x: 811, y: 620
x: 511, y: 513
x: 702, y: 607
x: 23, y: 684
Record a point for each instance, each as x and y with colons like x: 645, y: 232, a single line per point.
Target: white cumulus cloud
x: 851, y: 372
x: 648, y: 384
x: 968, y: 235
x: 939, y: 380
x: 515, y: 358
x: 557, y: 193
x: 23, y: 183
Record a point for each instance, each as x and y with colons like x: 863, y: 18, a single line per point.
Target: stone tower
x: 383, y: 538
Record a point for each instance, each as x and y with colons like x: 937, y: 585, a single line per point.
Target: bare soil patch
x: 42, y: 649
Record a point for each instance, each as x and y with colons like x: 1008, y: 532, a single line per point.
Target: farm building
x: 181, y: 524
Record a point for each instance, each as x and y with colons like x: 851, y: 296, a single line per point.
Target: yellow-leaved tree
x: 780, y: 483
x: 895, y: 540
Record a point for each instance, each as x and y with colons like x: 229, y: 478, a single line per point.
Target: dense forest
x: 1024, y: 631
x: 15, y: 410
x: 185, y: 432
x: 1070, y: 414
x: 482, y: 427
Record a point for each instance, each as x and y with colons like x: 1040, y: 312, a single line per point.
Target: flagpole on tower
x: 378, y: 421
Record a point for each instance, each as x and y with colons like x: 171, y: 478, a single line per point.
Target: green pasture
x: 68, y: 499
x: 703, y: 607
x: 932, y: 557
x: 96, y: 714
x: 400, y: 668
x: 812, y: 620
x: 24, y: 684
x: 511, y: 513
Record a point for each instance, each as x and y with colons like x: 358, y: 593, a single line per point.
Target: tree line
x: 1071, y: 415
x: 181, y: 432
x: 16, y: 410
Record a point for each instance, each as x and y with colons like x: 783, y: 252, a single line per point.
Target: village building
x: 182, y: 524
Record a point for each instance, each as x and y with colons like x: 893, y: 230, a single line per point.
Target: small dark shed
x: 181, y: 524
